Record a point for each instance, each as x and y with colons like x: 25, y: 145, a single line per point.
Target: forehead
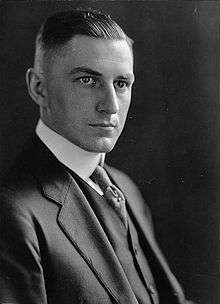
x: 105, y: 56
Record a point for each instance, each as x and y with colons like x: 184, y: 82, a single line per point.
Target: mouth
x: 103, y: 125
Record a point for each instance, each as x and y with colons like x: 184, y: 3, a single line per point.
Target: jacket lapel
x: 82, y: 227
x: 80, y: 224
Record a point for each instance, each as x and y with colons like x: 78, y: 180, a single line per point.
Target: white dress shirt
x: 82, y: 162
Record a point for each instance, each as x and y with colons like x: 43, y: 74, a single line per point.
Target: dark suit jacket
x: 52, y: 247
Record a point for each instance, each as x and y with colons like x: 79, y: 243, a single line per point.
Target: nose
x: 109, y: 101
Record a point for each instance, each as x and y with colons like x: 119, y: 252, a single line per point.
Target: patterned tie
x: 111, y: 193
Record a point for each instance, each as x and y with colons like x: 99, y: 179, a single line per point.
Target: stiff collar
x: 82, y: 162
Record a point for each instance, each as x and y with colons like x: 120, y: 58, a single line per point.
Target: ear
x: 36, y: 87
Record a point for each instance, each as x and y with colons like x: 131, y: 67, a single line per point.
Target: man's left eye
x: 121, y: 84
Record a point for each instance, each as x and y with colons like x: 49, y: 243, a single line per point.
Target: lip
x: 104, y: 125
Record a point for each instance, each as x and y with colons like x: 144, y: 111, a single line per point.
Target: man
x: 71, y: 231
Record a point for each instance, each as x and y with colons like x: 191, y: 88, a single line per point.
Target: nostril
x: 108, y: 106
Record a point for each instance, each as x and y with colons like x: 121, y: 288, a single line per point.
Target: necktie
x: 111, y: 193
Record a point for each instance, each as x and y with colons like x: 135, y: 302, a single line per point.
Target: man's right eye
x: 87, y: 80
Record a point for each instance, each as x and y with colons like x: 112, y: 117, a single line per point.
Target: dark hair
x: 61, y: 27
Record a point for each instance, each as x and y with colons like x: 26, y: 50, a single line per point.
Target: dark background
x: 169, y: 146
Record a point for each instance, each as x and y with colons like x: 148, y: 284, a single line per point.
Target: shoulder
x: 20, y: 188
x: 22, y: 181
x: 18, y: 183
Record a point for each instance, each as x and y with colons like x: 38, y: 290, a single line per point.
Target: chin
x: 103, y: 149
x: 105, y: 146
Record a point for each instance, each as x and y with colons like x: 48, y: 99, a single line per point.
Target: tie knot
x: 110, y: 191
x: 100, y: 176
x: 112, y: 194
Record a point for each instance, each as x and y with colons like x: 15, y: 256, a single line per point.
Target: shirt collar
x: 82, y: 162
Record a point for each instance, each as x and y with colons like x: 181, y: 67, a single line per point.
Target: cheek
x: 65, y: 102
x: 80, y: 100
x: 125, y: 104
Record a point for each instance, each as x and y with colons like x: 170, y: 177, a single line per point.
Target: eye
x: 87, y: 80
x: 121, y: 84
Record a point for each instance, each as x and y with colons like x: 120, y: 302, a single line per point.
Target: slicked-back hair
x: 62, y: 26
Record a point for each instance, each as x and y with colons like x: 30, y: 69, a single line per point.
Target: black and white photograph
x: 109, y: 152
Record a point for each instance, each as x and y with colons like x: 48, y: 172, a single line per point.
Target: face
x: 89, y: 92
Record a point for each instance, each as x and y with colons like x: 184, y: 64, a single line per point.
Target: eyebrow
x: 84, y: 69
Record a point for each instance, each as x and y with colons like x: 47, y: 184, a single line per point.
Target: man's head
x: 82, y: 78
